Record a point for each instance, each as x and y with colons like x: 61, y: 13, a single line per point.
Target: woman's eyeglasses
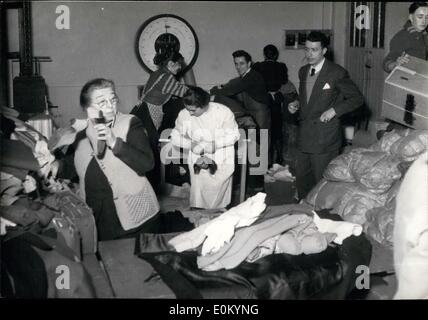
x: 103, y: 104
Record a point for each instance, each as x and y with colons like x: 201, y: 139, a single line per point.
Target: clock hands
x: 165, y: 33
x: 166, y: 28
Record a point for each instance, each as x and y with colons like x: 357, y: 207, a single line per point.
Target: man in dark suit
x: 325, y: 93
x: 275, y: 75
x: 249, y: 87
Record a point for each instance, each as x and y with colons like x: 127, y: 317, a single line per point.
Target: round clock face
x: 166, y: 30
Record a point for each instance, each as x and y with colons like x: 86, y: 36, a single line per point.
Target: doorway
x: 365, y: 48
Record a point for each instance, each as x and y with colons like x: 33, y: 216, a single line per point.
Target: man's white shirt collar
x: 318, y: 66
x: 246, y: 72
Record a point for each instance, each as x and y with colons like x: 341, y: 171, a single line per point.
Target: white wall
x: 100, y: 42
x: 397, y: 14
x: 340, y: 30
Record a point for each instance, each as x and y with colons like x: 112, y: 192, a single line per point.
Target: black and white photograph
x: 230, y: 152
x: 302, y: 38
x: 290, y: 39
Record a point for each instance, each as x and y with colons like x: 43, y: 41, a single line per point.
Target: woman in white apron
x: 208, y: 130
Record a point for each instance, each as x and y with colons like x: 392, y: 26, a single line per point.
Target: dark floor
x: 381, y: 287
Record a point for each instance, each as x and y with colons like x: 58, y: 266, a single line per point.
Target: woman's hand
x: 197, y: 148
x: 53, y: 170
x: 105, y: 133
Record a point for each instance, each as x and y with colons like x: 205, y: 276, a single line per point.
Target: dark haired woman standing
x: 161, y: 86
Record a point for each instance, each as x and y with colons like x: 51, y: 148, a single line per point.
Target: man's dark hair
x: 317, y: 36
x: 242, y: 53
x: 196, y: 96
x: 416, y: 5
x: 271, y: 52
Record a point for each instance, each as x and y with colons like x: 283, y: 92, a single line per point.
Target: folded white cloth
x: 29, y: 184
x: 44, y: 157
x: 3, y: 224
x: 215, y: 233
x: 342, y: 229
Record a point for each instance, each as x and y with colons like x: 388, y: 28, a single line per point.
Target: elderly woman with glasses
x: 112, y: 155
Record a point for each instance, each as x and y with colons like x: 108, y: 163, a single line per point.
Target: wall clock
x: 167, y: 31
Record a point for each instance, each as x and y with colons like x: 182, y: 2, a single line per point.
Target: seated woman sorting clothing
x: 209, y: 131
x: 112, y: 154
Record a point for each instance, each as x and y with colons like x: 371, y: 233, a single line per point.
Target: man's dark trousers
x: 310, y: 168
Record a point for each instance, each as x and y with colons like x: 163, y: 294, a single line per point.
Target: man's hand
x: 214, y: 90
x: 293, y: 106
x: 328, y: 115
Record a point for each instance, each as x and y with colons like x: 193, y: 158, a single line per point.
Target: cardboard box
x: 405, y: 96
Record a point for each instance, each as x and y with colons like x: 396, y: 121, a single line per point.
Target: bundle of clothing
x: 36, y: 236
x: 18, y: 130
x: 33, y: 261
x: 232, y: 238
x: 251, y: 251
x: 279, y: 173
x: 24, y: 174
x: 205, y: 163
x: 361, y: 185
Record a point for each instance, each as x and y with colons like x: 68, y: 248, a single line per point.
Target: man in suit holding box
x: 325, y: 93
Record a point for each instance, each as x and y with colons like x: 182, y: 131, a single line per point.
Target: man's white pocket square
x: 326, y: 86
